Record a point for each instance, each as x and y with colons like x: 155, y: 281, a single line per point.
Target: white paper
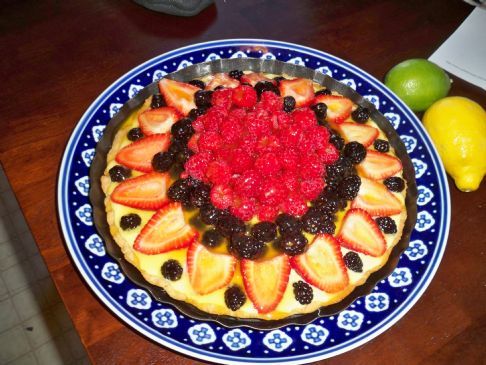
x: 464, y: 53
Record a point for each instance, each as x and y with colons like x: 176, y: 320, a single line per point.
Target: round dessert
x: 254, y: 195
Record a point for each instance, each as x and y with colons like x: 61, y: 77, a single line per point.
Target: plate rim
x: 359, y: 340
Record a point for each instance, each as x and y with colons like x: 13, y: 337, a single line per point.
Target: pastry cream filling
x: 150, y: 265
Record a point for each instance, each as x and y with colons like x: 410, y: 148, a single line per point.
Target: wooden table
x: 58, y: 56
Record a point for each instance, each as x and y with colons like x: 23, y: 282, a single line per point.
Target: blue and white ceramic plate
x: 365, y: 319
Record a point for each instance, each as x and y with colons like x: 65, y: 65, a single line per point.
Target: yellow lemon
x: 457, y: 126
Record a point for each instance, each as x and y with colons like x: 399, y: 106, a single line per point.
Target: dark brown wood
x: 58, y: 56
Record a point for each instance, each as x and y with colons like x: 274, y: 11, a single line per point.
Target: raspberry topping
x: 259, y: 158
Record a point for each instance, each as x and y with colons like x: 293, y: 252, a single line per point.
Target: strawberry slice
x: 221, y: 79
x: 138, y: 155
x: 301, y: 89
x: 156, y: 121
x: 322, y: 265
x: 375, y: 198
x: 208, y: 271
x: 167, y: 230
x: 265, y: 281
x: 359, y: 232
x: 254, y: 77
x: 178, y: 95
x: 338, y: 107
x: 147, y: 192
x: 361, y: 133
x: 379, y: 165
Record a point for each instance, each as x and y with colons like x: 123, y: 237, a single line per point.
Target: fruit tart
x: 254, y: 195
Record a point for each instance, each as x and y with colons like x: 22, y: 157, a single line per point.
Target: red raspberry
x: 218, y: 172
x: 267, y: 212
x: 238, y: 113
x: 258, y: 123
x: 328, y: 154
x: 310, y: 189
x: 283, y: 120
x: 289, y: 159
x: 209, y: 141
x: 221, y: 196
x: 243, y: 208
x: 267, y: 164
x: 222, y: 98
x: 319, y: 137
x: 197, y: 165
x: 248, y: 184
x: 271, y: 101
x: 272, y: 191
x: 244, y: 96
x: 230, y: 130
x: 192, y: 143
x: 198, y: 124
x: 311, y: 166
x: 248, y: 143
x: 306, y: 144
x: 290, y: 181
x: 294, y: 205
x: 210, y: 121
x: 291, y: 136
x: 268, y: 144
x: 304, y: 117
x: 240, y: 161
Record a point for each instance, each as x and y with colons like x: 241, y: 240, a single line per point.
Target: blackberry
x: 381, y: 145
x: 323, y: 92
x: 288, y: 224
x: 355, y: 151
x: 200, y: 195
x: 349, y: 187
x: 336, y: 140
x: 327, y: 202
x: 134, y: 134
x: 182, y: 130
x: 360, y: 114
x: 303, y: 292
x: 320, y: 110
x: 229, y: 225
x: 210, y: 214
x: 198, y: 83
x: 278, y: 79
x: 338, y: 171
x: 288, y: 104
x: 183, y: 155
x: 202, y: 98
x: 219, y: 87
x: 292, y: 245
x: 394, y: 183
x: 235, y: 74
x: 130, y: 221
x: 246, y: 247
x: 171, y: 270
x: 315, y: 221
x: 212, y: 238
x: 262, y: 86
x: 180, y: 191
x: 264, y: 231
x: 162, y: 161
x: 353, y: 261
x: 234, y: 298
x: 386, y: 224
x: 157, y: 101
x: 194, y: 113
x: 118, y: 173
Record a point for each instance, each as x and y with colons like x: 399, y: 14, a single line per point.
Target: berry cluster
x: 259, y: 157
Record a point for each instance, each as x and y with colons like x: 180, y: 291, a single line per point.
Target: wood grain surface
x: 58, y: 56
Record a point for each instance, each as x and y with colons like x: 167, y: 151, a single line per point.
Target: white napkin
x: 464, y: 53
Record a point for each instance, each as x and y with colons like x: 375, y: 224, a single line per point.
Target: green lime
x: 418, y: 82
